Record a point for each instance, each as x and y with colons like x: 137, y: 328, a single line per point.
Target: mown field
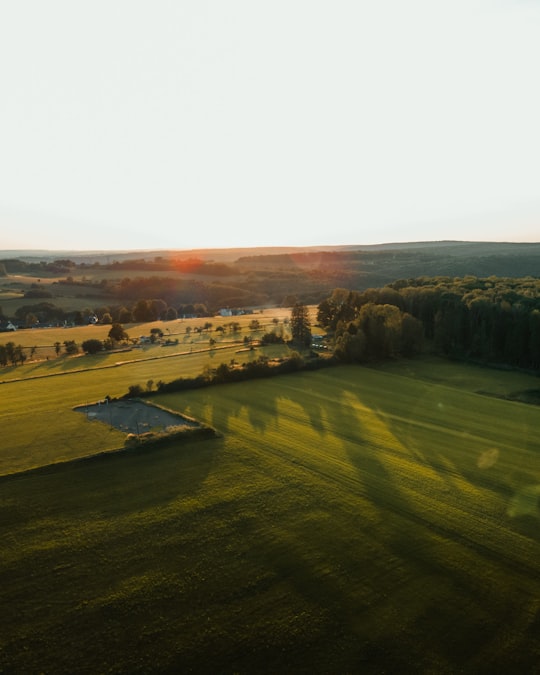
x: 37, y: 398
x: 177, y: 327
x: 36, y: 413
x: 349, y: 520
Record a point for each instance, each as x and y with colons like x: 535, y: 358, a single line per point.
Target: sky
x: 130, y: 124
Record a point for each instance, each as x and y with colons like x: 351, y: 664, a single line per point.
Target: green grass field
x: 349, y: 520
x: 36, y: 414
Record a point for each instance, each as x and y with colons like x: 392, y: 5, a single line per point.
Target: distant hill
x: 442, y: 248
x: 215, y: 254
x: 246, y: 277
x: 381, y: 264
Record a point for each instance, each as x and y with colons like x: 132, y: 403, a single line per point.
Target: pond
x: 134, y: 417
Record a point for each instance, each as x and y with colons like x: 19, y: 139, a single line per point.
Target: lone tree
x: 117, y: 333
x: 300, y: 324
x: 92, y: 346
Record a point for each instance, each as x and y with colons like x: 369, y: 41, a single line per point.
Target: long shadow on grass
x: 112, y: 484
x: 261, y: 407
x: 415, y: 560
x: 432, y: 598
x: 291, y: 554
x: 477, y: 463
x: 412, y: 539
x: 75, y: 536
x: 322, y: 569
x: 218, y: 410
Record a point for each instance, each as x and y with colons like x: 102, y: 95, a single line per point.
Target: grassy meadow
x: 39, y: 425
x: 44, y: 339
x: 37, y: 398
x: 348, y: 520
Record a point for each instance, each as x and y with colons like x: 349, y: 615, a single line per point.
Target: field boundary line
x: 118, y: 364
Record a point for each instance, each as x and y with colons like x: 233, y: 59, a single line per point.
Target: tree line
x: 141, y: 311
x: 224, y: 373
x: 494, y: 320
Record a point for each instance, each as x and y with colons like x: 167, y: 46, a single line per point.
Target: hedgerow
x: 225, y: 373
x: 173, y: 433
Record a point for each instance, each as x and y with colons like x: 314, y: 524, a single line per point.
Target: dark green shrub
x: 92, y: 346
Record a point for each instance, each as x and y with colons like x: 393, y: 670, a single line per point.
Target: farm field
x: 44, y: 391
x: 38, y: 423
x: 44, y: 339
x: 349, y: 520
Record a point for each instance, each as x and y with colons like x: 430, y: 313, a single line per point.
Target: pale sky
x: 130, y: 124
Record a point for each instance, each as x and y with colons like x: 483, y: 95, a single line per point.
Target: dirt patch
x: 134, y: 417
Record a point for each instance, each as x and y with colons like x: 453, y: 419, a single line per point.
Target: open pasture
x: 36, y: 413
x: 349, y: 520
x: 42, y: 360
x: 182, y: 329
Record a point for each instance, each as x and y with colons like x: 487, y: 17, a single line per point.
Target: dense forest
x: 493, y: 320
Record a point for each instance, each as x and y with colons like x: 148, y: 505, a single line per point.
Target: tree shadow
x: 463, y: 458
x: 231, y: 404
x: 423, y: 575
x: 414, y: 540
x: 114, y: 483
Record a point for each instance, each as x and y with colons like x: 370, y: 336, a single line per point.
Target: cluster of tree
x: 178, y: 434
x: 141, y: 311
x: 189, y: 265
x: 231, y: 326
x: 177, y: 291
x: 116, y: 334
x: 190, y: 309
x: 55, y: 267
x: 36, y: 292
x: 378, y: 332
x: 272, y: 338
x: 70, y: 346
x: 42, y: 311
x: 490, y: 319
x: 247, y: 289
x: 13, y: 354
x: 48, y: 313
x: 150, y: 310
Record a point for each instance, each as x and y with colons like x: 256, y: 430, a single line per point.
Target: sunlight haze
x: 133, y: 125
